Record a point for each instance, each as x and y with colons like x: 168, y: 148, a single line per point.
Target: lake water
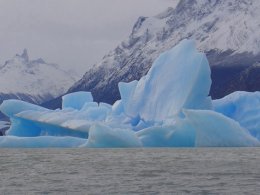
x: 130, y: 171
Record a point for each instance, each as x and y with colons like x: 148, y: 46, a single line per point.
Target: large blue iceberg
x: 169, y: 107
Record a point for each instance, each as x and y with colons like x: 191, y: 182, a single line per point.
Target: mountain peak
x: 25, y: 55
x: 226, y: 30
x: 166, y: 13
x: 35, y: 83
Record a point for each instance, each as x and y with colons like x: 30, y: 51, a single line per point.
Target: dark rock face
x: 2, y: 131
x: 53, y: 104
x: 4, y: 126
x: 233, y: 72
x: 2, y: 116
x: 229, y: 73
x: 228, y: 80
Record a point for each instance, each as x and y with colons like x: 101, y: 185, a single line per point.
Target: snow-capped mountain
x: 32, y: 80
x: 226, y: 30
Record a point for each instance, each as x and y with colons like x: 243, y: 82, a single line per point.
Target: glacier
x: 169, y: 107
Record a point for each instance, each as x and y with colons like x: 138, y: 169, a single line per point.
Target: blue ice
x: 76, y: 100
x: 179, y: 78
x: 243, y: 107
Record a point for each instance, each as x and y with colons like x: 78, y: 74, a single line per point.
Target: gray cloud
x: 72, y: 33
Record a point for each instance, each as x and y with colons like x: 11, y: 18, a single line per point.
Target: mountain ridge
x: 34, y: 81
x: 225, y: 30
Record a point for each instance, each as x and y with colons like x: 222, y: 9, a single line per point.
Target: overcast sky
x: 73, y: 33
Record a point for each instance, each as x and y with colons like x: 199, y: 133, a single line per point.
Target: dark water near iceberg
x: 130, y: 171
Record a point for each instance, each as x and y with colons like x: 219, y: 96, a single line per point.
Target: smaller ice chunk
x: 101, y: 136
x: 96, y: 112
x: 23, y: 127
x: 181, y: 134
x: 243, y: 107
x: 36, y: 121
x: 118, y: 108
x: 126, y: 92
x: 143, y: 125
x: 88, y: 106
x: 12, y: 107
x: 216, y: 130
x: 40, y: 142
x: 105, y: 105
x: 76, y: 100
x: 199, y: 128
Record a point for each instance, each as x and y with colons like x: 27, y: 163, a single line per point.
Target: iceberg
x: 179, y: 78
x: 169, y: 107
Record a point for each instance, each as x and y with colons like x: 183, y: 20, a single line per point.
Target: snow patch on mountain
x: 221, y: 29
x: 33, y: 80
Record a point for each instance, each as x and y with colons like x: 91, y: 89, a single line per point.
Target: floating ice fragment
x: 243, y: 107
x: 76, y: 100
x: 101, y: 136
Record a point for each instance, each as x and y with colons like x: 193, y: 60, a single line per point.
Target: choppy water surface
x: 130, y: 171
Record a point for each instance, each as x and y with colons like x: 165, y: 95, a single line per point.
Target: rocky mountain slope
x: 226, y: 30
